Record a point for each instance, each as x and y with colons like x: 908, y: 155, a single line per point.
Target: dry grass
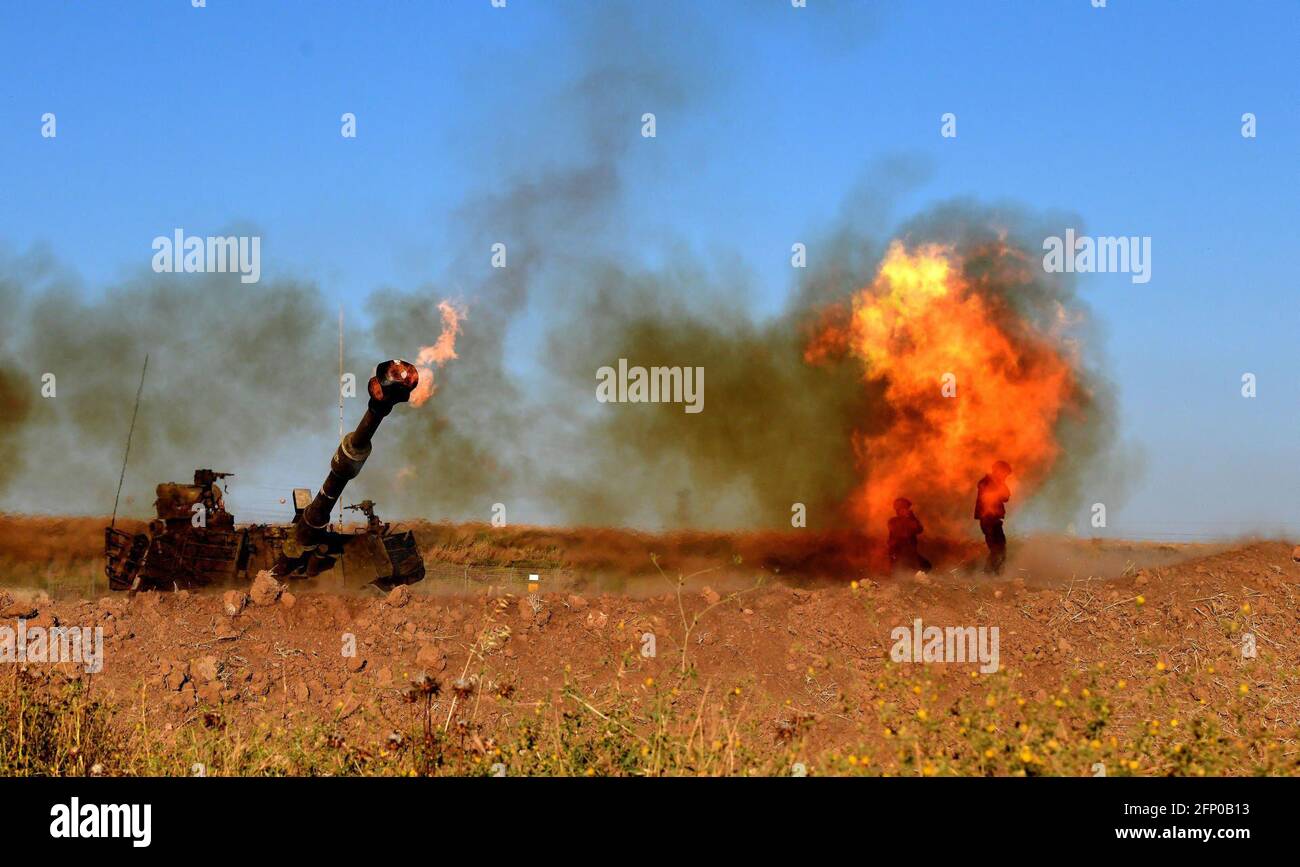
x: 655, y: 730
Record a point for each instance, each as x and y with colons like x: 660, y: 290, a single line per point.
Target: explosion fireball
x: 966, y: 380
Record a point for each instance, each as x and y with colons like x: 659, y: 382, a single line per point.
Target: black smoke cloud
x: 225, y: 377
x: 515, y: 418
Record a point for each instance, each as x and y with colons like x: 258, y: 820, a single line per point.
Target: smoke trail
x: 492, y: 432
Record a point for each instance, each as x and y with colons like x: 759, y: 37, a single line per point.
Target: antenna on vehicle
x: 129, y: 433
x: 340, y: 387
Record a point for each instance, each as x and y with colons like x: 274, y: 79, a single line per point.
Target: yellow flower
x: 988, y: 754
x: 1095, y: 744
x: 853, y: 584
x: 1160, y: 665
x: 1245, y: 607
x: 1122, y: 684
x: 1243, y: 689
x: 1141, y: 600
x: 928, y: 770
x: 649, y: 681
x: 922, y: 715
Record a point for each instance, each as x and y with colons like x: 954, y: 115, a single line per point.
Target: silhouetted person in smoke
x: 904, y: 528
x: 990, y: 509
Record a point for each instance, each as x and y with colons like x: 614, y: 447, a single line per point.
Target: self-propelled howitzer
x: 194, y: 542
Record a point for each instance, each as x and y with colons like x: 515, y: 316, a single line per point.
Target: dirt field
x: 1112, y: 658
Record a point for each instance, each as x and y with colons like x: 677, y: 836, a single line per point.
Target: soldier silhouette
x: 990, y: 509
x: 904, y: 528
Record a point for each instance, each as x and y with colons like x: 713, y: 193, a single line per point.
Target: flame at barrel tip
x: 442, y: 350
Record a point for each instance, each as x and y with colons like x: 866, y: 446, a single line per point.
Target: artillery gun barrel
x: 392, y: 384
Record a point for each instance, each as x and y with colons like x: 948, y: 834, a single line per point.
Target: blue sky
x: 1127, y: 117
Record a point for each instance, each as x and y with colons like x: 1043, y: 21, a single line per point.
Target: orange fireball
x: 965, y: 380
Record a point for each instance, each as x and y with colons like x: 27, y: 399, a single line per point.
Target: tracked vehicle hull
x: 188, y: 558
